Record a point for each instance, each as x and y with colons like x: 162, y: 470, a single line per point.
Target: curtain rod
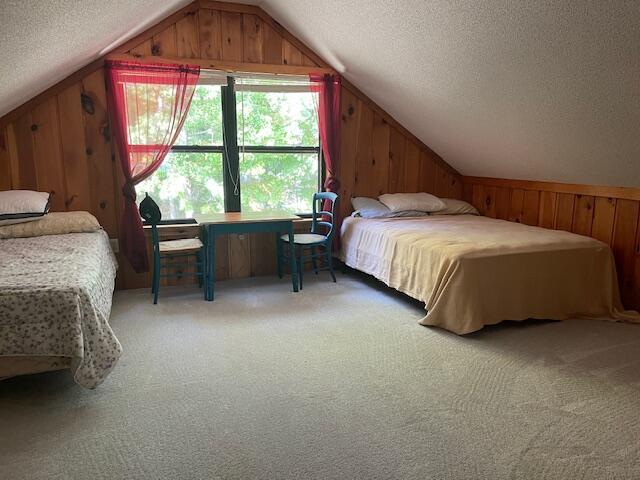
x: 225, y: 66
x: 250, y: 82
x: 253, y: 75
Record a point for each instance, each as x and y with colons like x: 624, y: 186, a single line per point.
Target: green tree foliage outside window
x: 277, y: 181
x: 191, y: 182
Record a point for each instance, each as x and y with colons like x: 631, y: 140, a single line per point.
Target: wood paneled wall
x: 60, y: 140
x: 609, y: 214
x: 379, y: 156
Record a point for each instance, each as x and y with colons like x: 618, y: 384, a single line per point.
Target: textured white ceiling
x: 544, y: 90
x: 43, y: 41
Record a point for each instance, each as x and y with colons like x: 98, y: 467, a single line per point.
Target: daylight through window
x: 248, y: 143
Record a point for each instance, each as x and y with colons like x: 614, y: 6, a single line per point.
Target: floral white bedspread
x: 55, y: 300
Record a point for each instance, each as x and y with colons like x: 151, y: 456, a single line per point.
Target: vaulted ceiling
x: 43, y: 41
x: 542, y: 90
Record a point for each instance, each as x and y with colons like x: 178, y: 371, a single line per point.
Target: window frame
x: 230, y: 151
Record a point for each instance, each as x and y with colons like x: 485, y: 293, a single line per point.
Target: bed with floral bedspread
x: 55, y: 302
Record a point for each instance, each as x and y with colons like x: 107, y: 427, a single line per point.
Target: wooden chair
x: 321, y: 220
x: 169, y: 250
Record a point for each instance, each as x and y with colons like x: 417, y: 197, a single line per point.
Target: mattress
x: 472, y: 271
x: 55, y: 302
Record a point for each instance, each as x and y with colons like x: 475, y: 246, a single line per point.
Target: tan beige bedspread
x: 472, y: 271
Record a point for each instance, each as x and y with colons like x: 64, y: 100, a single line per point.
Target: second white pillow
x: 424, y: 202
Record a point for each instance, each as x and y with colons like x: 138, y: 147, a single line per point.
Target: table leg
x: 292, y: 260
x: 279, y: 254
x: 205, y: 262
x: 211, y: 264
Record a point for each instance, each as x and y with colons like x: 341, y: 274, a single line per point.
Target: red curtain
x: 328, y: 88
x: 148, y: 104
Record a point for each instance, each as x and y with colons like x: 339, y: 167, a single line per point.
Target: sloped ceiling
x: 544, y: 90
x: 541, y: 90
x: 43, y: 41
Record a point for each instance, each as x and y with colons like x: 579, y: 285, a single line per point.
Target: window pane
x: 203, y: 125
x: 186, y: 183
x: 277, y: 119
x: 278, y: 181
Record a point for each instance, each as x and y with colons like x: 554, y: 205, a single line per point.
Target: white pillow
x: 368, y: 208
x: 17, y: 206
x: 456, y: 207
x: 424, y: 202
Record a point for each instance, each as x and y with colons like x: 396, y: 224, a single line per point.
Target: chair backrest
x: 150, y: 212
x: 324, y: 212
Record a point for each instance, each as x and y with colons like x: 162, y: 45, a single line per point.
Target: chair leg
x: 156, y: 277
x: 279, y: 253
x: 200, y: 268
x: 314, y: 262
x: 153, y: 275
x: 330, y: 263
x: 300, y: 267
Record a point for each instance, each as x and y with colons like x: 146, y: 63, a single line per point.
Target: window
x: 279, y: 148
x: 190, y: 178
x: 247, y: 144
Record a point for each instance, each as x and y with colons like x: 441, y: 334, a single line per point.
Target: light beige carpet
x: 338, y: 381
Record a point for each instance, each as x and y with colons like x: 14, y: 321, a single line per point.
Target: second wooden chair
x: 318, y: 241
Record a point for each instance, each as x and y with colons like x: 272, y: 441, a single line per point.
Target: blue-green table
x: 238, y: 223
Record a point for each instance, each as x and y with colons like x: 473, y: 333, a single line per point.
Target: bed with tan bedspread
x: 55, y: 301
x: 472, y: 271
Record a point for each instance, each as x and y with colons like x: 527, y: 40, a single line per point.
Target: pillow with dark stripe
x: 17, y: 206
